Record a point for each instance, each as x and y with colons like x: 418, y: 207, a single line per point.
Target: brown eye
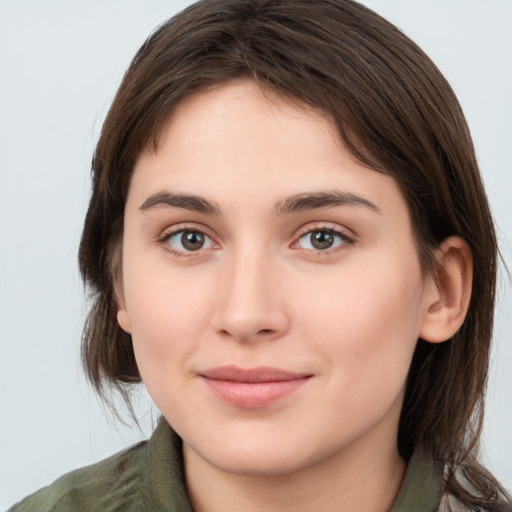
x: 187, y: 240
x: 192, y: 240
x: 322, y: 239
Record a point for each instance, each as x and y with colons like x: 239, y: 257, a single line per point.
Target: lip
x: 252, y: 388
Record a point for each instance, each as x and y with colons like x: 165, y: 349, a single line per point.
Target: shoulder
x: 472, y: 488
x: 449, y: 503
x: 96, y: 487
x: 147, y: 476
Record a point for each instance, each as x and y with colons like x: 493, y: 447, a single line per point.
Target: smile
x: 252, y: 388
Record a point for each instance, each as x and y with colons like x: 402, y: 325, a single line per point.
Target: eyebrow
x: 184, y: 201
x: 331, y: 198
x: 296, y: 203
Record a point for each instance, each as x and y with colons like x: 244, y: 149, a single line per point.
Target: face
x: 271, y: 285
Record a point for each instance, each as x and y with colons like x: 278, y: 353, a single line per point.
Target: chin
x: 265, y: 452
x: 262, y: 462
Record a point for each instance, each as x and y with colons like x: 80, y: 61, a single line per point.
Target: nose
x: 251, y: 303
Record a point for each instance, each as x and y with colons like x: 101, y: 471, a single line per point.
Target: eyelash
x: 346, y: 239
x: 336, y: 231
x: 167, y: 235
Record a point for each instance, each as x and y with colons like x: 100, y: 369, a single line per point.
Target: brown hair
x: 396, y: 114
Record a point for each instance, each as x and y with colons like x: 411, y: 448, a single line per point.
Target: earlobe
x: 116, y: 267
x: 122, y: 315
x: 123, y: 320
x: 447, y: 295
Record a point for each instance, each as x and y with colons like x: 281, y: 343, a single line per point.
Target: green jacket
x: 149, y: 477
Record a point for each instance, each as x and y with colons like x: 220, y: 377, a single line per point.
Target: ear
x: 447, y: 294
x: 122, y: 315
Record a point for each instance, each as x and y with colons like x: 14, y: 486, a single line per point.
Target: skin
x: 260, y: 293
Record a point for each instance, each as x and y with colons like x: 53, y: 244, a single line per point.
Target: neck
x: 364, y: 480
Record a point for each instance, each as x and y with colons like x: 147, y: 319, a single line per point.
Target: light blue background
x: 60, y: 64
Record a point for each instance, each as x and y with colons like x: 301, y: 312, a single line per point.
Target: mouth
x: 252, y: 388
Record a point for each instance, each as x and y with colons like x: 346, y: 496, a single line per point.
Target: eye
x: 188, y: 240
x: 322, y: 240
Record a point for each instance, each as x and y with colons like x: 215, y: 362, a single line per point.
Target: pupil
x: 322, y: 239
x: 192, y: 240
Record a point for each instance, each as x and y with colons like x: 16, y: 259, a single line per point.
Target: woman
x: 290, y: 245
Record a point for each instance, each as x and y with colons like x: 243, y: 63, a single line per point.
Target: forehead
x: 237, y: 141
x: 251, y: 111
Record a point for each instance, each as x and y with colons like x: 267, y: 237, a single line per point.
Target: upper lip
x: 252, y: 375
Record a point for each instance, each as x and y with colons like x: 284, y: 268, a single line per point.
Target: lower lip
x: 253, y: 395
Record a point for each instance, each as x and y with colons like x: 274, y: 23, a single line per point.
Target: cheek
x: 168, y: 312
x: 168, y: 315
x: 366, y: 322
